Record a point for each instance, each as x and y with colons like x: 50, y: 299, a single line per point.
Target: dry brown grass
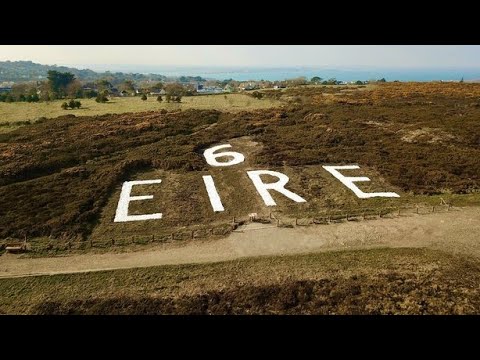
x: 378, y: 281
x: 61, y: 177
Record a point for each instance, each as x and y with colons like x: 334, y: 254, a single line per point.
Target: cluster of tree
x: 26, y: 92
x: 8, y: 97
x: 72, y: 104
x: 58, y: 86
x: 174, y: 92
x: 187, y: 79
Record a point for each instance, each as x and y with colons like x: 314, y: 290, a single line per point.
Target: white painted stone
x: 211, y: 158
x: 279, y: 186
x: 213, y: 193
x: 348, y: 181
x: 122, y: 209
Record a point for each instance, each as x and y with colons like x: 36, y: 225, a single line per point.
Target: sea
x: 282, y: 73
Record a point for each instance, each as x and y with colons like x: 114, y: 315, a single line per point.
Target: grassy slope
x: 11, y: 112
x: 378, y: 281
x: 57, y: 176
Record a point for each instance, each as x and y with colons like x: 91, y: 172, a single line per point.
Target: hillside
x: 61, y: 178
x: 22, y: 71
x: 320, y: 248
x: 377, y: 281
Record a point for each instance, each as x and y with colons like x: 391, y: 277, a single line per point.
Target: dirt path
x: 457, y: 231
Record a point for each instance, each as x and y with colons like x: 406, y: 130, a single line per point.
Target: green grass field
x: 22, y: 111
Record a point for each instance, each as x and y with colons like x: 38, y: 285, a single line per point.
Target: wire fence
x: 337, y: 216
x: 273, y: 218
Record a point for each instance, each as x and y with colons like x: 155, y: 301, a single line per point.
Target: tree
x: 358, y: 82
x: 74, y: 89
x: 331, y: 81
x: 144, y: 97
x: 58, y: 82
x: 104, y: 85
x: 257, y: 95
x: 71, y: 104
x: 78, y: 104
x: 382, y: 80
x: 159, y: 98
x: 128, y: 86
x: 174, y: 91
x: 33, y: 98
x: 302, y: 80
x: 90, y: 94
x: 316, y: 80
x: 158, y: 86
x: 101, y: 98
x: 64, y: 106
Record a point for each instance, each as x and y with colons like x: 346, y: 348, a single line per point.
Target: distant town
x: 26, y: 81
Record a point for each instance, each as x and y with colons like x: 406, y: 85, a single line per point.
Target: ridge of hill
x: 22, y: 71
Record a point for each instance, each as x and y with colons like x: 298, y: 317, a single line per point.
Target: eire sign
x: 211, y: 155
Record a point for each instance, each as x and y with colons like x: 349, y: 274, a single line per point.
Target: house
x: 209, y: 89
x: 249, y: 85
x: 228, y: 88
x: 113, y: 92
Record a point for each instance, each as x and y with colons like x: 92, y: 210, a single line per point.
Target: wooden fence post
x: 296, y: 222
x: 433, y: 208
x: 192, y: 234
x: 153, y: 238
x: 113, y: 241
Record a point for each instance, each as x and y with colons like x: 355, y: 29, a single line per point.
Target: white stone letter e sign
x: 125, y: 198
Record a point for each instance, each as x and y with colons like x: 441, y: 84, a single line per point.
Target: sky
x: 398, y: 56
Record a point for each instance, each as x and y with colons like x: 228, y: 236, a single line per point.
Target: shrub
x: 144, y: 97
x: 64, y: 106
x: 257, y: 95
x: 78, y: 104
x: 159, y: 98
x: 101, y: 98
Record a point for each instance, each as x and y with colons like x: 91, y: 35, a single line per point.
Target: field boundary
x: 271, y: 219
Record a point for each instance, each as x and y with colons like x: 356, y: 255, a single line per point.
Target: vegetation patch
x: 61, y: 177
x: 377, y: 281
